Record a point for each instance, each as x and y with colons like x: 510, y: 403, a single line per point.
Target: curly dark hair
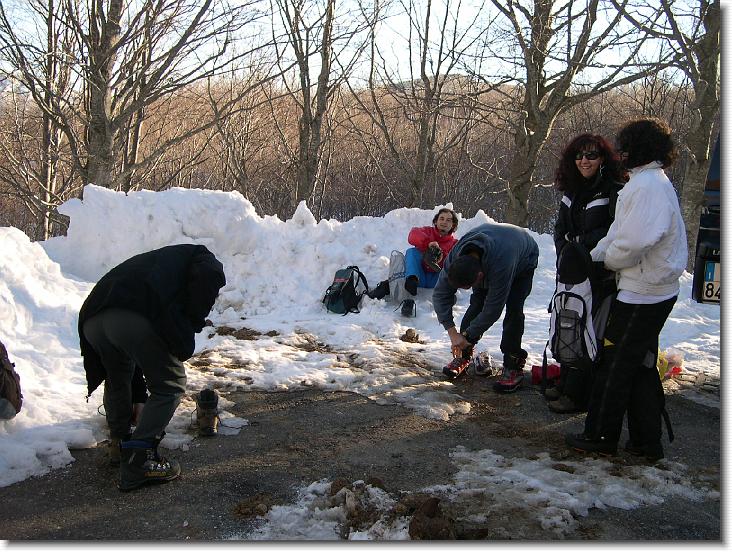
x: 567, y: 177
x: 454, y: 218
x: 646, y: 140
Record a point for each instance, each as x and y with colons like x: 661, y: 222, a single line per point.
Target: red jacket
x: 421, y: 237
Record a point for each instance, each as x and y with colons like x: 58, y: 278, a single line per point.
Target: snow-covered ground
x: 277, y: 272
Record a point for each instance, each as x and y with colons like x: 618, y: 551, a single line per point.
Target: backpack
x: 576, y: 327
x: 11, y: 399
x: 345, y: 293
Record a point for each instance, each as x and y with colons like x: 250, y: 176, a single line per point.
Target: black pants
x: 513, y: 319
x: 627, y: 378
x: 576, y: 383
x: 123, y: 339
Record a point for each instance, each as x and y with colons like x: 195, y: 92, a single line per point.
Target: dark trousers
x: 123, y: 339
x: 576, y: 383
x: 513, y: 318
x: 627, y: 378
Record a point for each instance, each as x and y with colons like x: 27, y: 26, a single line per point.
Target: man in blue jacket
x: 139, y: 320
x: 497, y: 261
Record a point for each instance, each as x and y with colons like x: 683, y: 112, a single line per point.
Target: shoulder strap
x: 361, y: 276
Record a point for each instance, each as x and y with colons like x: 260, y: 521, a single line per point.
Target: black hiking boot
x: 140, y: 464
x: 580, y: 442
x: 563, y: 405
x: 409, y: 309
x: 380, y: 291
x: 207, y: 412
x: 652, y: 453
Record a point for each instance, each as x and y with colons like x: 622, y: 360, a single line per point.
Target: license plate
x: 711, y: 282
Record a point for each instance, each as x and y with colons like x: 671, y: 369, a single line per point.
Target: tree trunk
x: 699, y: 138
x: 529, y: 138
x: 105, y: 34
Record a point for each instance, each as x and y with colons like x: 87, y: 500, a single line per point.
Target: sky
x: 277, y: 272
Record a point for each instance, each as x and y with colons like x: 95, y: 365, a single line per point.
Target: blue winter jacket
x: 507, y: 252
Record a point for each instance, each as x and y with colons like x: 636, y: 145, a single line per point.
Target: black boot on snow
x: 207, y: 412
x: 141, y: 464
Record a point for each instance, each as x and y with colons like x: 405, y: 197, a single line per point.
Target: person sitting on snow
x: 142, y: 316
x: 423, y: 262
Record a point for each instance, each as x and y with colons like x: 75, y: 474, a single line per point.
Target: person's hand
x: 458, y: 344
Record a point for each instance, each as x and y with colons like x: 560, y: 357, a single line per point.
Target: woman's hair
x: 454, y: 218
x: 647, y: 140
x: 568, y: 178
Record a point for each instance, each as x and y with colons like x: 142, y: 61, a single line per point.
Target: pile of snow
x: 276, y: 272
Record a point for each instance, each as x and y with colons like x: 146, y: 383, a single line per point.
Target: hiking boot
x: 432, y: 257
x: 582, y: 443
x: 141, y: 464
x: 515, y: 361
x: 552, y: 393
x: 113, y: 449
x: 380, y: 291
x: 563, y: 405
x: 457, y: 366
x: 652, y: 453
x: 509, y: 380
x: 409, y: 309
x: 483, y: 365
x: 207, y: 413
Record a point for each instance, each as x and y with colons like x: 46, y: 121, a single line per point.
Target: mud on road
x: 298, y: 437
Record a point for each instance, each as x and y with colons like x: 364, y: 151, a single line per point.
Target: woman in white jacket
x: 646, y: 247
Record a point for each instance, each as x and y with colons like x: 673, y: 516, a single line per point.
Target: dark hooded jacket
x: 174, y: 287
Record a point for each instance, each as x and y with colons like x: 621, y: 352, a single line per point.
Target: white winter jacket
x: 646, y: 243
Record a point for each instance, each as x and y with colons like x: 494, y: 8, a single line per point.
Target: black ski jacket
x: 174, y: 287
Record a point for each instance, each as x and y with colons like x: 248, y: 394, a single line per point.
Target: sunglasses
x: 591, y: 155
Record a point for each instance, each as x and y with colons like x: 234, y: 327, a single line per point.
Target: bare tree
x: 33, y: 171
x: 434, y: 98
x: 692, y: 30
x: 560, y: 54
x: 127, y: 56
x: 326, y: 45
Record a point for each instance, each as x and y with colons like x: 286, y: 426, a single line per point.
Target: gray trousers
x: 123, y: 339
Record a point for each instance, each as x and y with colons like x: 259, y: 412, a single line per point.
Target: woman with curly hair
x: 590, y: 176
x: 646, y: 246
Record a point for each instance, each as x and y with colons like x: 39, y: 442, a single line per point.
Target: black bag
x: 345, y: 293
x: 11, y: 398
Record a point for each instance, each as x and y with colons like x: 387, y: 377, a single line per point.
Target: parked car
x: 705, y: 287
